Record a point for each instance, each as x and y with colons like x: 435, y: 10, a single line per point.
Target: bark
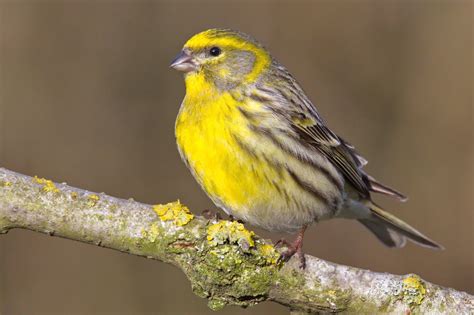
x: 225, y: 263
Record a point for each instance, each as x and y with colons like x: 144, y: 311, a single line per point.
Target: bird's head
x: 223, y: 57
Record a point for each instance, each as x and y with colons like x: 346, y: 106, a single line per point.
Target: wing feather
x: 293, y: 104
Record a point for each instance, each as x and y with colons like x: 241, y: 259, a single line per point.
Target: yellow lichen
x: 5, y: 184
x: 48, y: 186
x: 230, y: 232
x: 92, y: 200
x: 332, y: 293
x: 413, y: 290
x: 269, y: 252
x: 74, y: 195
x: 174, y: 211
x: 332, y: 296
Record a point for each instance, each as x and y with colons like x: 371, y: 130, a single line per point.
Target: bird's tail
x: 392, y: 231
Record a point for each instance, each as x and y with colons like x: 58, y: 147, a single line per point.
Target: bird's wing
x: 336, y: 150
x: 342, y: 154
x: 310, y: 127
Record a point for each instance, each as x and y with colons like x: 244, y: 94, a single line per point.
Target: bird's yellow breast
x: 207, y: 127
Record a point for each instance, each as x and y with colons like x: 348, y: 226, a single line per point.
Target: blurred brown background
x: 87, y: 98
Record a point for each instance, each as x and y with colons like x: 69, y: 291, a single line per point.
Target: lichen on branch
x: 225, y: 262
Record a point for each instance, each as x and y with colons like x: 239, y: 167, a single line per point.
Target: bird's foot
x: 232, y: 218
x: 293, y: 248
x: 211, y: 215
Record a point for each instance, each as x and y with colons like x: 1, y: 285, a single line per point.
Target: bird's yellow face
x: 223, y: 58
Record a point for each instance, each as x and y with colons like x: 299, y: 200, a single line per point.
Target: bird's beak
x: 184, y: 62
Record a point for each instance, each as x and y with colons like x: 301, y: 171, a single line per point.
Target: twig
x: 224, y: 262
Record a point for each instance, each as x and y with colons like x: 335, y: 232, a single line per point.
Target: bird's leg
x: 294, y: 248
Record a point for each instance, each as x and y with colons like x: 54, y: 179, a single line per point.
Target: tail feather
x: 392, y: 231
x: 384, y: 234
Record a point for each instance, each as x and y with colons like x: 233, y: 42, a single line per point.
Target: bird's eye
x: 215, y: 51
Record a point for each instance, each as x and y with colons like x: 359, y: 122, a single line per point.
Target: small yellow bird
x: 261, y: 151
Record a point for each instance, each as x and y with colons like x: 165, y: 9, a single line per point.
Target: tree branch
x: 224, y: 262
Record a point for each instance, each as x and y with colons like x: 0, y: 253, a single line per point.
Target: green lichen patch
x: 231, y: 266
x: 157, y: 239
x: 216, y: 304
x: 153, y: 233
x: 303, y: 296
x: 234, y: 266
x: 231, y: 232
x: 228, y: 275
x: 48, y: 185
x: 414, y: 290
x: 174, y: 211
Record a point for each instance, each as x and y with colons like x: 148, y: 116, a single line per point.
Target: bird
x: 261, y: 151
